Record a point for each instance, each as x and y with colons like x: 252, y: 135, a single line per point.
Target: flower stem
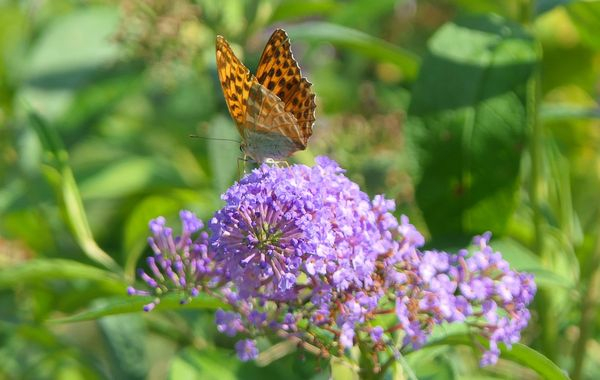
x: 544, y: 299
x: 369, y: 368
x: 588, y: 313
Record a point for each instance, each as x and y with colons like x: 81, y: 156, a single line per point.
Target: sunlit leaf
x: 359, y: 42
x: 136, y: 228
x: 301, y: 8
x: 91, y: 103
x: 168, y: 205
x: 224, y: 155
x: 40, y: 270
x: 68, y: 192
x: 126, y: 344
x: 586, y: 18
x: 519, y: 353
x: 522, y: 259
x: 120, y: 179
x: 13, y: 34
x: 205, y: 365
x: 543, y: 6
x: 342, y: 369
x: 558, y: 112
x: 135, y: 304
x: 73, y: 46
x: 468, y: 125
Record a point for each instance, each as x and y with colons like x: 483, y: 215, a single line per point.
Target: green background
x: 474, y: 115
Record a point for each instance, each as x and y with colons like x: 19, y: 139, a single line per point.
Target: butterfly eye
x: 242, y: 148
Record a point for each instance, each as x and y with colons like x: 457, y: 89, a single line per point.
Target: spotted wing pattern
x: 302, y: 106
x: 235, y: 79
x: 275, y: 110
x: 279, y: 72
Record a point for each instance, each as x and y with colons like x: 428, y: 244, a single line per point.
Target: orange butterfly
x: 275, y: 110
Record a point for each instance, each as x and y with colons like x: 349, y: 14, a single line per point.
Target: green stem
x: 591, y: 299
x: 369, y: 368
x: 526, y: 12
x: 68, y: 191
x: 536, y: 153
x: 544, y: 298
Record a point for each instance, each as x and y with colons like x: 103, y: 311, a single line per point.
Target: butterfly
x: 274, y: 111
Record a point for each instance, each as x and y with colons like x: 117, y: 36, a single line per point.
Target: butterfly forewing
x: 235, y: 79
x: 279, y: 72
x: 277, y: 69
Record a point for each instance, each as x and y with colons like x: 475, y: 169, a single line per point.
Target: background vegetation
x: 474, y: 115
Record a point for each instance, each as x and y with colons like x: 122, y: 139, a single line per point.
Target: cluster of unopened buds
x: 303, y: 254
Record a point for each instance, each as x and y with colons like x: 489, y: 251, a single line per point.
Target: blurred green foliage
x: 474, y: 115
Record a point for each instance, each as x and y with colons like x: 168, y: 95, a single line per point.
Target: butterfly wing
x: 277, y: 69
x: 302, y: 106
x: 236, y: 81
x: 269, y: 130
x: 274, y: 111
x: 279, y: 73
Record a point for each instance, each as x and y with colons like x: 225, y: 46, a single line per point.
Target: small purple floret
x: 246, y: 350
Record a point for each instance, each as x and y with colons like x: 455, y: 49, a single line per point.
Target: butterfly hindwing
x: 302, y: 106
x: 235, y: 79
x: 279, y: 72
x: 270, y: 131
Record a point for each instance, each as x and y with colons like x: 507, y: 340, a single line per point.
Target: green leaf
x: 73, y: 46
x: 126, y: 343
x: 359, y: 42
x: 121, y: 178
x: 224, y: 155
x: 520, y: 257
x: 68, y: 192
x: 586, y: 18
x: 102, y: 98
x: 135, y: 304
x: 136, y: 227
x: 294, y: 9
x: 560, y: 112
x: 51, y: 269
x: 204, y: 364
x: 429, y: 362
x: 543, y: 6
x: 342, y: 369
x: 13, y: 37
x: 523, y: 259
x: 467, y: 125
x: 70, y: 51
x: 519, y: 353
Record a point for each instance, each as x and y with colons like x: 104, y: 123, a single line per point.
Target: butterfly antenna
x: 214, y: 138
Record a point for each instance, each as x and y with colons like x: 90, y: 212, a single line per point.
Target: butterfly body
x: 274, y: 110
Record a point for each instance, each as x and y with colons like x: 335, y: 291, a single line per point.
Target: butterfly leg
x: 277, y: 163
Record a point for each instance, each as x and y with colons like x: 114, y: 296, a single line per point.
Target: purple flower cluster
x: 303, y: 253
x: 182, y: 264
x: 283, y: 230
x: 477, y: 288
